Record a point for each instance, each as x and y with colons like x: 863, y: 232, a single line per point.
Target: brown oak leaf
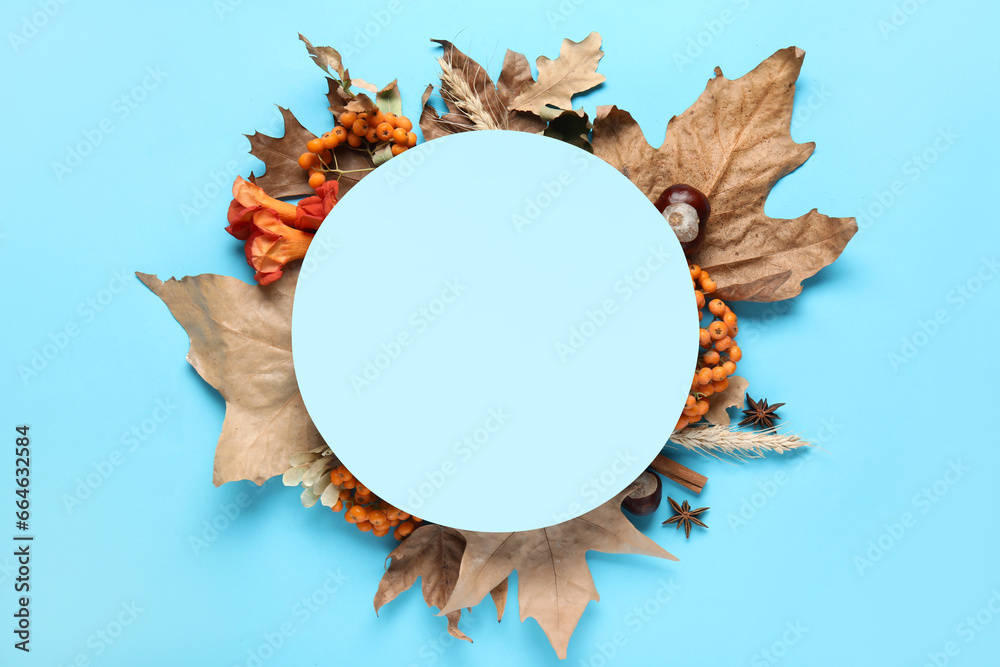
x: 472, y: 99
x: 730, y: 397
x: 733, y: 144
x: 434, y: 554
x: 554, y: 582
x: 283, y: 177
x: 574, y: 71
x: 241, y: 344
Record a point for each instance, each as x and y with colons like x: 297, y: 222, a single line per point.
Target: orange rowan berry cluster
x: 366, y: 510
x: 367, y: 131
x: 719, y: 353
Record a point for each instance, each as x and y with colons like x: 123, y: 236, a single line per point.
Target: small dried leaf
x: 389, y: 100
x: 364, y: 85
x: 293, y: 476
x: 514, y: 75
x: 330, y: 495
x: 236, y: 331
x: 328, y: 59
x: 302, y: 459
x: 730, y: 397
x: 308, y: 497
x: 733, y: 144
x: 554, y: 582
x: 574, y: 71
x: 283, y: 177
x: 314, y: 472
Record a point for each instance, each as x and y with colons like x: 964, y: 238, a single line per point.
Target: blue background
x: 897, y: 95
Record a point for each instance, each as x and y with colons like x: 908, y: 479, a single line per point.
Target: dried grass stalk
x: 743, y: 445
x: 455, y: 88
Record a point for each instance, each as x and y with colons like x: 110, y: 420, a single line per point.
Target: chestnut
x: 685, y: 209
x: 645, y: 499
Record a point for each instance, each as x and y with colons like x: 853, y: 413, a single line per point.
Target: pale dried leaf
x: 574, y: 71
x: 364, y: 85
x: 308, y: 497
x: 241, y: 344
x: 293, y: 476
x: 388, y: 100
x: 302, y: 459
x: 330, y: 495
x: 314, y: 471
x: 554, y: 582
x: 730, y: 397
x: 283, y: 177
x: 733, y: 144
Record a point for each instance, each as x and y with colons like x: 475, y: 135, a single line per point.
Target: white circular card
x: 495, y: 331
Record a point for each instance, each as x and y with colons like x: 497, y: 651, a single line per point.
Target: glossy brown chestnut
x: 684, y: 206
x: 647, y: 495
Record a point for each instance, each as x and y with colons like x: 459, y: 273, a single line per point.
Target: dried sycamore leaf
x: 473, y: 101
x: 434, y: 554
x: 554, y: 582
x: 283, y: 177
x: 241, y: 344
x: 730, y: 397
x: 734, y: 144
x: 574, y: 71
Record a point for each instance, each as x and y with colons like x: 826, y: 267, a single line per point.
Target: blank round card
x: 495, y: 331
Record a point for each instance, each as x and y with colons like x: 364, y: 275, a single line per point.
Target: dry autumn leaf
x: 283, y: 177
x: 574, y: 71
x: 241, y: 344
x: 554, y: 581
x: 434, y: 554
x: 734, y: 144
x: 473, y: 101
x: 730, y: 397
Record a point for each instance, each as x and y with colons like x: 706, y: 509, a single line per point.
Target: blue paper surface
x: 878, y: 547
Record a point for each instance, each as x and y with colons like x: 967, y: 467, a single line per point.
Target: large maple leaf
x: 241, y: 344
x: 554, y: 582
x: 733, y: 144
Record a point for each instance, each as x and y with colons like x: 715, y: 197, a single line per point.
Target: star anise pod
x: 760, y: 414
x: 685, y: 516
